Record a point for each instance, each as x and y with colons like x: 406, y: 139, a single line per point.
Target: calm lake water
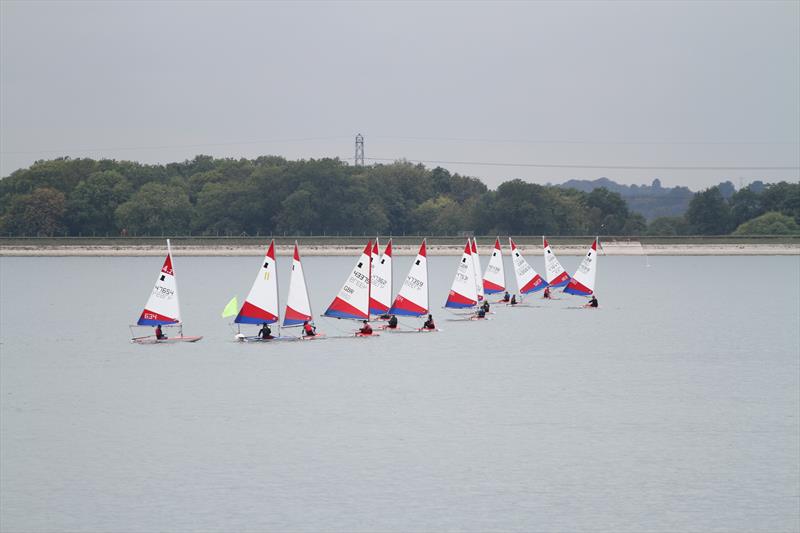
x: 674, y: 407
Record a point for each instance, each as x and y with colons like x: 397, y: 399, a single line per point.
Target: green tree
x: 39, y: 213
x: 709, y: 213
x: 297, y: 214
x: 783, y: 197
x: 607, y: 212
x: 635, y: 224
x: 772, y: 223
x: 92, y: 203
x: 668, y: 226
x: 745, y: 204
x: 156, y: 208
x: 441, y: 215
x: 223, y: 208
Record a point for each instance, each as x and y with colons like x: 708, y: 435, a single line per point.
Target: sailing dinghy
x: 352, y: 302
x: 162, y: 307
x: 555, y: 275
x: 582, y: 283
x: 528, y: 280
x: 298, y: 306
x: 494, y: 279
x: 261, y: 304
x: 476, y: 264
x: 463, y: 293
x: 412, y: 300
x: 380, y: 297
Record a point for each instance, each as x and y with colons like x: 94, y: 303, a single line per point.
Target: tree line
x: 271, y: 195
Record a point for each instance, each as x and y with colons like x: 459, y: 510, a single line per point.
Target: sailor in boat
x: 513, y: 299
x: 308, y: 329
x: 392, y: 322
x: 481, y: 313
x: 546, y: 293
x: 429, y: 323
x: 160, y: 334
x: 265, y: 333
x: 485, y: 306
x: 592, y: 302
x: 366, y: 329
x: 506, y: 297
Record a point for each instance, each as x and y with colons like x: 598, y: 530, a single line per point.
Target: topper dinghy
x: 494, y: 279
x: 162, y: 307
x: 528, y: 280
x: 352, y: 302
x: 261, y: 304
x: 412, y: 300
x: 298, y: 306
x: 463, y: 293
x: 476, y: 265
x: 554, y: 273
x: 380, y: 297
x: 582, y: 283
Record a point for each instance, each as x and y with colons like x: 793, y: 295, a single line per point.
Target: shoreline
x: 611, y: 248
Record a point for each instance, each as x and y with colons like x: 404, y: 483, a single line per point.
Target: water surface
x: 674, y: 407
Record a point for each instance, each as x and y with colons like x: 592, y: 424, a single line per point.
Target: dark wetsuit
x: 265, y: 332
x: 392, y: 322
x: 429, y: 324
x: 481, y: 313
x: 593, y: 302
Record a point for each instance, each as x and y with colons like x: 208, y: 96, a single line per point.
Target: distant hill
x: 651, y: 201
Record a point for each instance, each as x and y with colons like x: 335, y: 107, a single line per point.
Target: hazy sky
x: 642, y: 84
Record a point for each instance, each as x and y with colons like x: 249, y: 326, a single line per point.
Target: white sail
x: 353, y: 298
x: 463, y: 292
x: 412, y: 300
x: 162, y: 306
x: 582, y: 283
x: 298, y: 306
x: 554, y: 273
x: 476, y: 268
x: 261, y: 304
x: 528, y: 280
x: 494, y: 280
x: 381, y: 292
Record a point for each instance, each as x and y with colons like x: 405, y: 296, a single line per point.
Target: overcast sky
x: 515, y: 85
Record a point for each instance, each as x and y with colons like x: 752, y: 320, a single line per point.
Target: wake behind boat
x: 162, y: 309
